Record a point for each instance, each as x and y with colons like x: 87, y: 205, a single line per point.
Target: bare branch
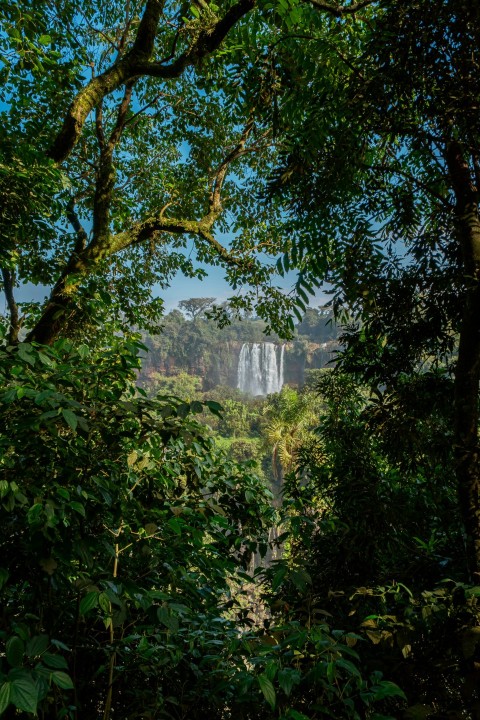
x: 221, y: 173
x: 110, y: 42
x: 122, y: 115
x: 122, y: 41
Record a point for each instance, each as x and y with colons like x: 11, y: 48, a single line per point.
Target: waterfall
x: 259, y: 371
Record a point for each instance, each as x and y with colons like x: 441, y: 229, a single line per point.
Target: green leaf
x: 298, y: 314
x: 214, y: 407
x: 183, y: 410
x: 57, y: 662
x: 278, y: 577
x: 295, y: 715
x: 45, y: 360
x: 14, y: 651
x: 300, y: 578
x: 62, y: 680
x: 60, y: 645
x: 267, y: 689
x: 37, y: 645
x: 287, y: 678
x: 78, y: 507
x: 170, y: 621
x: 44, y: 39
x: 349, y: 666
x: 24, y: 694
x: 63, y: 493
x: 5, y: 691
x: 104, y: 602
x: 175, y: 526
x: 71, y: 418
x: 34, y: 513
x: 25, y: 353
x: 386, y: 688
x: 4, y: 575
x: 88, y: 602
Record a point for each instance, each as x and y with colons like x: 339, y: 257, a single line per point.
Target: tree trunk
x: 15, y: 322
x: 62, y: 304
x: 467, y: 371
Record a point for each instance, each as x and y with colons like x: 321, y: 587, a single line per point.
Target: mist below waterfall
x: 260, y: 368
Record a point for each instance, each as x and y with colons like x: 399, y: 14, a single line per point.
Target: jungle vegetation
x: 148, y: 138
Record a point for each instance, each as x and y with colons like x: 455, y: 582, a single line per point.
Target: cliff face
x: 218, y: 364
x: 301, y: 356
x: 223, y: 366
x: 201, y: 349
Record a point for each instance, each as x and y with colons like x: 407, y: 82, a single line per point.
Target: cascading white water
x: 259, y: 372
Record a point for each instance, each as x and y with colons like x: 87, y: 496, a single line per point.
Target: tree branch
x: 73, y: 219
x: 61, y: 304
x: 106, y: 175
x: 443, y: 201
x: 137, y: 62
x: 340, y: 10
x: 221, y: 173
x: 122, y: 115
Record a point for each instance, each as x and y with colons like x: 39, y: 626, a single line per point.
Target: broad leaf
x: 57, y: 662
x: 24, y: 694
x: 15, y: 650
x: 62, y: 680
x: 71, y: 418
x: 89, y: 601
x: 5, y: 691
x: 37, y: 645
x: 267, y: 689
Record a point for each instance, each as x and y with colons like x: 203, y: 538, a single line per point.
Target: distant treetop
x: 196, y: 306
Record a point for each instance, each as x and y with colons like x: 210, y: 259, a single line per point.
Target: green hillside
x: 197, y: 346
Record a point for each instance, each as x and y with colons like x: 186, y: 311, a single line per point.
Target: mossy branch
x: 137, y: 62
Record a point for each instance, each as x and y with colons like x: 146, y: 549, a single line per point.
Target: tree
x: 115, y: 555
x: 103, y: 160
x: 184, y: 386
x: 290, y: 418
x: 381, y: 166
x: 112, y: 106
x: 318, y: 325
x: 195, y: 307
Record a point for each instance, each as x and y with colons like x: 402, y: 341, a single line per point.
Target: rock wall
x: 218, y: 365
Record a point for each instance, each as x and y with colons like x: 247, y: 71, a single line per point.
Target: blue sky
x: 182, y: 288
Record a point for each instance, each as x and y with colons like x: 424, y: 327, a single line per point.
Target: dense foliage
x: 122, y: 556
x: 148, y: 567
